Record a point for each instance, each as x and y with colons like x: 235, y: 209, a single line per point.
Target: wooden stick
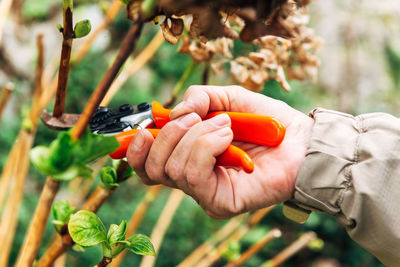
x: 112, y: 11
x: 214, y: 255
x: 5, y: 96
x: 250, y: 252
x: 210, y: 243
x: 292, y: 249
x: 5, y: 6
x: 162, y: 225
x: 16, y: 175
x: 68, y: 36
x: 34, y: 236
x: 126, y: 48
x: 133, y: 67
x: 136, y: 218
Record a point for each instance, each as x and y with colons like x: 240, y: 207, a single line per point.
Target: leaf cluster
x: 65, y: 159
x: 86, y: 229
x: 61, y: 212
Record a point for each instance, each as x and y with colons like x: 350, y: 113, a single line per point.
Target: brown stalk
x: 14, y: 176
x: 125, y: 50
x: 63, y: 241
x: 5, y: 96
x: 292, y: 249
x: 104, y: 262
x: 210, y: 243
x: 136, y: 218
x: 109, y: 16
x: 134, y: 66
x: 250, y: 252
x: 68, y: 36
x: 216, y: 254
x: 5, y: 6
x: 162, y: 225
x: 206, y: 74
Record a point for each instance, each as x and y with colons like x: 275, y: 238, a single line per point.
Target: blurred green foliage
x: 190, y: 226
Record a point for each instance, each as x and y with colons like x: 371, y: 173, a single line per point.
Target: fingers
x: 176, y: 164
x: 164, y: 145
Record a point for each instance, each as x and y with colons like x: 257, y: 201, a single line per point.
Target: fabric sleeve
x: 352, y: 171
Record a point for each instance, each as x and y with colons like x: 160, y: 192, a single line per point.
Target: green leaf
x: 78, y: 248
x: 40, y: 159
x: 61, y: 212
x: 86, y: 229
x: 59, y: 27
x: 116, y: 232
x: 82, y: 28
x: 232, y: 252
x: 62, y: 151
x: 94, y: 146
x: 140, y: 244
x: 73, y: 172
x: 125, y: 1
x: 108, y: 177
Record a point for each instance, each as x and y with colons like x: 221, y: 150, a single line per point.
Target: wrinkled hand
x: 183, y: 154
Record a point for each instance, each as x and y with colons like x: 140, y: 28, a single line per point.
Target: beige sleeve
x: 352, y: 171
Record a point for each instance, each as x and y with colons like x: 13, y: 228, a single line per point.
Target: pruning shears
x: 124, y: 122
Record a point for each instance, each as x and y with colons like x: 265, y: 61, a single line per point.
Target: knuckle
x: 153, y: 172
x: 192, y: 175
x: 173, y: 170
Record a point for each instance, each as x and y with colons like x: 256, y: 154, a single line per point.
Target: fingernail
x: 221, y: 120
x: 138, y: 142
x: 226, y: 131
x: 188, y: 120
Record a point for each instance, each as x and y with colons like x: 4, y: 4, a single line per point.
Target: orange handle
x: 232, y: 157
x: 246, y: 127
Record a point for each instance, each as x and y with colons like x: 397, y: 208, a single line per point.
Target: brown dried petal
x: 239, y: 72
x: 133, y: 9
x: 177, y: 26
x: 217, y: 66
x: 281, y: 79
x: 251, y: 85
x: 199, y: 52
x: 168, y: 34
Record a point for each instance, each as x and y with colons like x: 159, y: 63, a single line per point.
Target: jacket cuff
x: 324, y: 175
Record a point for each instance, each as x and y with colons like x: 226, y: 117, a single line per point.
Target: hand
x: 183, y: 154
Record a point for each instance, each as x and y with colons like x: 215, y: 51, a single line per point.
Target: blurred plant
x: 86, y: 229
x: 232, y: 252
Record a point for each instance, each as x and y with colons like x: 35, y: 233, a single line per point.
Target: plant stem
x: 146, y: 54
x: 126, y: 48
x: 250, y: 252
x: 93, y: 204
x: 68, y: 36
x: 162, y: 225
x: 210, y: 244
x: 179, y: 85
x: 136, y: 218
x: 206, y: 74
x: 292, y: 249
x: 5, y: 96
x: 37, y: 226
x: 104, y: 262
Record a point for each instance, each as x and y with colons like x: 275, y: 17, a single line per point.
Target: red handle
x: 232, y: 157
x: 246, y: 127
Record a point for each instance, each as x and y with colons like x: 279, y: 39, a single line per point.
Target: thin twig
x: 162, y: 225
x: 5, y: 96
x: 180, y: 85
x: 5, y: 6
x: 133, y: 67
x: 68, y: 36
x: 292, y: 249
x: 214, y: 255
x: 250, y: 252
x: 210, y: 243
x: 136, y: 218
x: 104, y: 262
x: 206, y: 74
x: 126, y: 49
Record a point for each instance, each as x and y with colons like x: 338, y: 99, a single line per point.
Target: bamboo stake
x: 5, y: 6
x: 134, y: 66
x: 5, y: 96
x: 250, y: 252
x: 126, y: 48
x: 162, y: 225
x: 214, y: 255
x: 210, y: 244
x: 292, y: 249
x: 136, y: 218
x: 109, y: 16
x: 16, y: 175
x: 61, y: 261
x: 68, y: 37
